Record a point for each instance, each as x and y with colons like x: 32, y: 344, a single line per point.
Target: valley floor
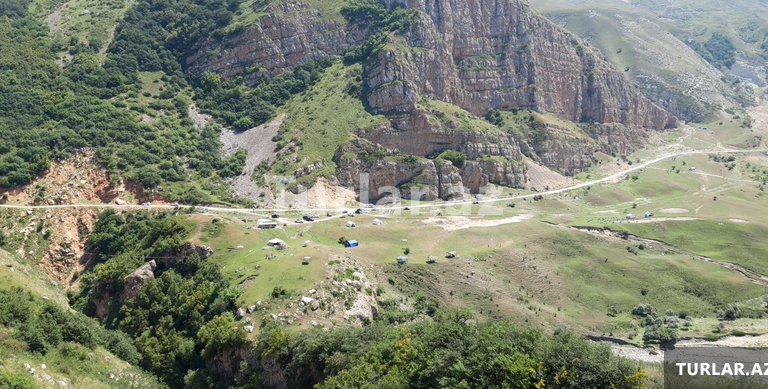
x: 568, y: 256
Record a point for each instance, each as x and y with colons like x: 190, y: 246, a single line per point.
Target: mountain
x: 442, y: 56
x: 663, y: 47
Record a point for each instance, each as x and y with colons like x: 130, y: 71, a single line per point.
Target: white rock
x: 248, y: 329
x: 43, y: 366
x: 273, y: 316
x: 306, y: 300
x: 314, y: 323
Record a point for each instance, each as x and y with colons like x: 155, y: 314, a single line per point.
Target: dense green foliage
x: 44, y: 325
x: 450, y: 351
x: 14, y: 8
x: 47, y: 112
x: 718, y: 50
x: 169, y: 316
x: 155, y: 34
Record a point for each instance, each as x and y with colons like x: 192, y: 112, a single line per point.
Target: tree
x: 149, y: 177
x: 210, y: 81
x: 242, y: 124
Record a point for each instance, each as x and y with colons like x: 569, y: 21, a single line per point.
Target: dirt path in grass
x: 454, y: 223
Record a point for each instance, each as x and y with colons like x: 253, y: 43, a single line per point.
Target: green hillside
x: 43, y: 342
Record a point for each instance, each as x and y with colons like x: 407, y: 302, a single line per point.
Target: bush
x: 242, y: 124
x: 644, y: 310
x: 10, y: 380
x: 732, y: 312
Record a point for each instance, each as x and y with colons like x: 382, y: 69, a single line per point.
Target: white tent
x: 376, y: 222
x: 350, y: 224
x: 275, y: 242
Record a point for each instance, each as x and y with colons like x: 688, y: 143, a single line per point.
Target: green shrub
x: 456, y: 157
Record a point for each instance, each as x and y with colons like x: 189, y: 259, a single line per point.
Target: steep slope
x: 77, y: 359
x: 654, y: 42
x: 486, y: 54
x: 667, y: 70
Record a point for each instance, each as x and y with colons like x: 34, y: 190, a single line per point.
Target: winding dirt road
x: 258, y: 211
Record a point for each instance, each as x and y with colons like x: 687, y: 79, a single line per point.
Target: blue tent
x: 352, y: 243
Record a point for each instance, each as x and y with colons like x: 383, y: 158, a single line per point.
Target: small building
x: 451, y: 254
x: 631, y: 216
x: 401, y: 260
x: 692, y: 169
x: 377, y: 222
x: 351, y: 224
x: 266, y: 224
x: 351, y: 243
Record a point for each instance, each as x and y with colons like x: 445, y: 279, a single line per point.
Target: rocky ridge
x: 484, y: 54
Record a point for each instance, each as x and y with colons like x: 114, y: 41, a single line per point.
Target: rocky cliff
x: 570, y: 149
x: 289, y: 32
x: 483, y: 54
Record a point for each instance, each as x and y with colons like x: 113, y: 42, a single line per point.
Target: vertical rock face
x: 422, y: 179
x: 482, y: 54
x: 289, y: 33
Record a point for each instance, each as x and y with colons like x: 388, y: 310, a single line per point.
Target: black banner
x: 715, y: 367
